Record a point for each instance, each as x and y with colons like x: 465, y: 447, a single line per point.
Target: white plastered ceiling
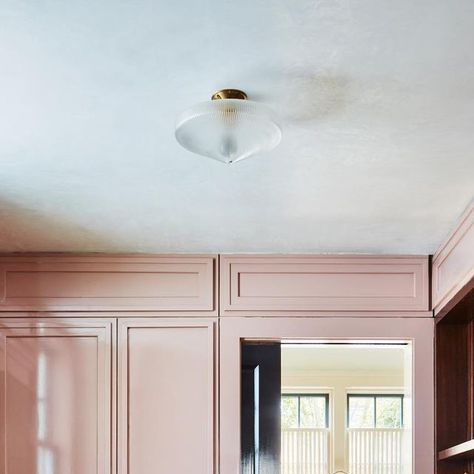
x: 376, y: 99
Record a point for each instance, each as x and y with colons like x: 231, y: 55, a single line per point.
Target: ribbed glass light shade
x: 228, y: 130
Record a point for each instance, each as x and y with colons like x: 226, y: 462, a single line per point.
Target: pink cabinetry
x: 169, y: 283
x: 58, y: 387
x: 281, y: 285
x: 166, y: 396
x: 134, y: 391
x: 56, y: 396
x: 453, y: 265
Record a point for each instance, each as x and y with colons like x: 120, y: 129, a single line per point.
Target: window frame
x: 401, y: 396
x: 298, y: 395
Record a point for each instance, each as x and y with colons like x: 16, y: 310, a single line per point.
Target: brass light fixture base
x: 229, y: 94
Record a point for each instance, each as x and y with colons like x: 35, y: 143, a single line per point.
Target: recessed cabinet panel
x: 107, y: 283
x: 55, y: 397
x: 280, y: 285
x: 166, y: 397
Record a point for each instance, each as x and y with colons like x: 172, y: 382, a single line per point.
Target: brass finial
x: 229, y: 94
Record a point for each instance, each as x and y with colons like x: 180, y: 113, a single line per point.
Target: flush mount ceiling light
x: 228, y: 128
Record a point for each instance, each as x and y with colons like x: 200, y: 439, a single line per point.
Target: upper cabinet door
x: 453, y: 265
x: 282, y: 285
x: 166, y: 396
x: 55, y: 397
x: 183, y: 283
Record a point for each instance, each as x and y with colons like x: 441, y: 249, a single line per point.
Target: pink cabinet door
x: 55, y: 396
x: 166, y: 396
x: 72, y: 282
x: 298, y: 285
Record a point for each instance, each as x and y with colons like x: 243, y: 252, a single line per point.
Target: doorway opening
x: 319, y: 407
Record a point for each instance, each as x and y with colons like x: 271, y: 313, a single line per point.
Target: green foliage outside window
x: 375, y: 411
x: 304, y: 411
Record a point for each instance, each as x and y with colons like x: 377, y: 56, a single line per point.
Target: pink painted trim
x: 453, y: 264
x: 290, y: 284
x: 328, y: 314
x: 418, y: 330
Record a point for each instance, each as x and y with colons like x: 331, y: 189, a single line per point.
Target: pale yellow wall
x: 338, y: 383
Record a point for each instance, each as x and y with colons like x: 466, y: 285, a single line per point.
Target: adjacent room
x: 344, y: 403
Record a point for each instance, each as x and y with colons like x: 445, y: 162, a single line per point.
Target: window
x: 375, y: 411
x: 304, y: 411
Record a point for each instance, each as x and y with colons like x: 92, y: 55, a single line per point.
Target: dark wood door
x: 260, y: 408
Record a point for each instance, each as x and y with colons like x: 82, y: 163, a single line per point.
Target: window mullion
x: 401, y: 411
x: 298, y: 410
x: 375, y: 412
